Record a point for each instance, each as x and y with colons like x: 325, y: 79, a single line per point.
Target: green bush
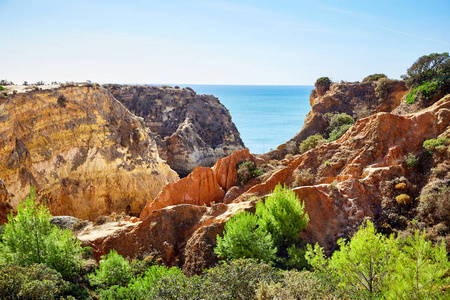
x: 30, y: 238
x: 143, y: 287
x: 337, y: 132
x: 434, y: 205
x: 2, y: 88
x: 411, y: 161
x: 113, y: 270
x: 35, y: 281
x: 237, y: 279
x: 282, y: 215
x: 383, y: 88
x: 293, y: 285
x: 311, y: 142
x: 247, y: 170
x: 436, y: 145
x: 374, y: 77
x: 273, y: 229
x: 322, y: 85
x: 243, y: 238
x: 338, y: 125
x: 427, y: 91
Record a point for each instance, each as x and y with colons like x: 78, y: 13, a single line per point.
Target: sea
x: 265, y: 115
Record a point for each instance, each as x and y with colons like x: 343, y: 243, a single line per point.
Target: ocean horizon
x: 266, y: 116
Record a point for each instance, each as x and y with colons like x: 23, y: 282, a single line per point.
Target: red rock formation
x: 202, y: 187
x: 350, y: 180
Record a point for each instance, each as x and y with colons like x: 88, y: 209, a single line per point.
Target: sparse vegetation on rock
x: 311, y: 142
x: 247, y: 170
x: 374, y: 77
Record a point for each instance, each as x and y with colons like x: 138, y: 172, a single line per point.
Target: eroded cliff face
x: 342, y: 184
x: 85, y: 153
x: 5, y: 206
x: 358, y: 100
x: 191, y: 130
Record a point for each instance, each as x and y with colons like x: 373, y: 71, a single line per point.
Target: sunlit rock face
x: 85, y: 153
x: 190, y: 130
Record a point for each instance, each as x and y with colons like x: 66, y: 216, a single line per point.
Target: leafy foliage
x: 427, y: 91
x: 29, y: 238
x: 436, y: 145
x: 243, y: 238
x: 2, y: 88
x: 293, y: 285
x: 383, y: 88
x: 311, y: 142
x: 113, y: 270
x: 372, y: 266
x: 142, y: 287
x: 420, y: 270
x: 338, y: 125
x: 247, y: 170
x: 283, y: 216
x: 35, y: 281
x: 273, y: 229
x: 427, y: 68
x: 411, y: 161
x: 374, y: 77
x: 322, y: 85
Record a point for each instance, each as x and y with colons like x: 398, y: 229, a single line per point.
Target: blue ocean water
x: 266, y: 116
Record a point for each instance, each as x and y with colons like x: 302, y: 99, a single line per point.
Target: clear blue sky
x: 217, y: 42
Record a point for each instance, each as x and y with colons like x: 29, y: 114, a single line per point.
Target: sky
x: 262, y: 42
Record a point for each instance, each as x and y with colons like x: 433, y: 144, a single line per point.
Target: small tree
x: 243, y: 238
x: 421, y: 270
x: 428, y: 68
x: 322, y: 85
x: 113, y: 270
x: 30, y: 238
x: 361, y: 267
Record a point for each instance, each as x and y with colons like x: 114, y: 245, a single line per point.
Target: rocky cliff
x: 358, y: 100
x: 342, y: 183
x: 190, y: 130
x: 85, y: 153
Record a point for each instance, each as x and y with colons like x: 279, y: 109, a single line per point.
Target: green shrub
x: 293, y: 285
x: 411, y: 161
x: 283, y: 215
x: 374, y: 77
x: 434, y: 205
x: 2, y: 88
x: 142, y: 287
x: 436, y: 145
x: 247, y: 170
x: 322, y: 85
x: 237, y: 279
x: 311, y: 142
x: 338, y: 125
x: 427, y: 91
x: 273, y: 229
x: 30, y: 238
x: 383, y: 88
x: 243, y: 238
x: 35, y: 281
x: 113, y: 270
x: 337, y: 132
